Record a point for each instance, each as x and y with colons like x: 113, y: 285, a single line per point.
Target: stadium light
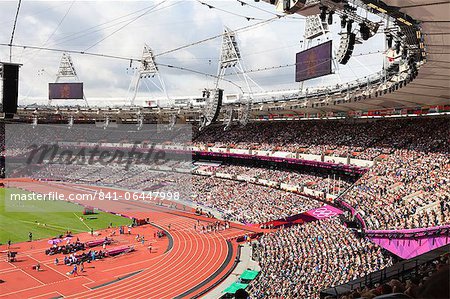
x: 364, y: 30
x: 346, y: 46
x: 70, y: 123
x: 330, y: 17
x: 323, y: 13
x: 405, y: 53
x: 35, y: 121
x: 390, y: 39
x: 343, y: 21
x: 397, y: 47
x: 380, y: 9
x: 106, y: 124
x: 349, y: 26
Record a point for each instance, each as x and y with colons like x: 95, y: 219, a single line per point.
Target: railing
x: 288, y: 95
x: 397, y: 271
x: 325, y: 165
x: 443, y: 230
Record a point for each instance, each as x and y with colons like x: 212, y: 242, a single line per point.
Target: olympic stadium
x: 225, y: 149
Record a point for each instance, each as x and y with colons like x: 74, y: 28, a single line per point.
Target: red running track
x: 195, y: 262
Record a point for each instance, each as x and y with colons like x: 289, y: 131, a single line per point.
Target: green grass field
x: 49, y: 219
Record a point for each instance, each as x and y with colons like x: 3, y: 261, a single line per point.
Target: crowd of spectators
x: 407, y: 188
x: 362, y: 140
x: 429, y: 280
x: 316, y: 181
x: 246, y: 202
x: 333, y: 138
x: 238, y: 201
x: 300, y: 261
x: 22, y: 135
x: 136, y: 177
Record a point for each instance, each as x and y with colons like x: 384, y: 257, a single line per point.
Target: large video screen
x: 313, y: 63
x: 65, y: 91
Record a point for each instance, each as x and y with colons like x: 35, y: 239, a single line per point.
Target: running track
x: 195, y: 262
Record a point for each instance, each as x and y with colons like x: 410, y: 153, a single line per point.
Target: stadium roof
x: 432, y: 86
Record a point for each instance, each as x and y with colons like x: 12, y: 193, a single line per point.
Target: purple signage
x: 347, y: 168
x: 324, y: 212
x: 410, y: 248
x: 65, y: 91
x: 314, y: 62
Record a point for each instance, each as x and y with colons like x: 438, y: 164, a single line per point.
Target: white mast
x: 147, y: 70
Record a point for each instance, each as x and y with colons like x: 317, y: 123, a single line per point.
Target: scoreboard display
x: 314, y: 62
x: 65, y: 91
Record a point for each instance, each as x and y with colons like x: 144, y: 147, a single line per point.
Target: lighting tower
x: 146, y: 70
x: 230, y: 58
x: 67, y: 72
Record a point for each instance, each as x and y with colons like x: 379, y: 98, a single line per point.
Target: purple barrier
x: 353, y: 212
x: 323, y: 212
x: 410, y: 248
x: 347, y: 168
x: 363, y: 223
x: 97, y: 242
x: 251, y: 236
x: 415, y: 232
x: 409, y: 243
x: 405, y: 243
x: 327, y: 165
x: 119, y: 250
